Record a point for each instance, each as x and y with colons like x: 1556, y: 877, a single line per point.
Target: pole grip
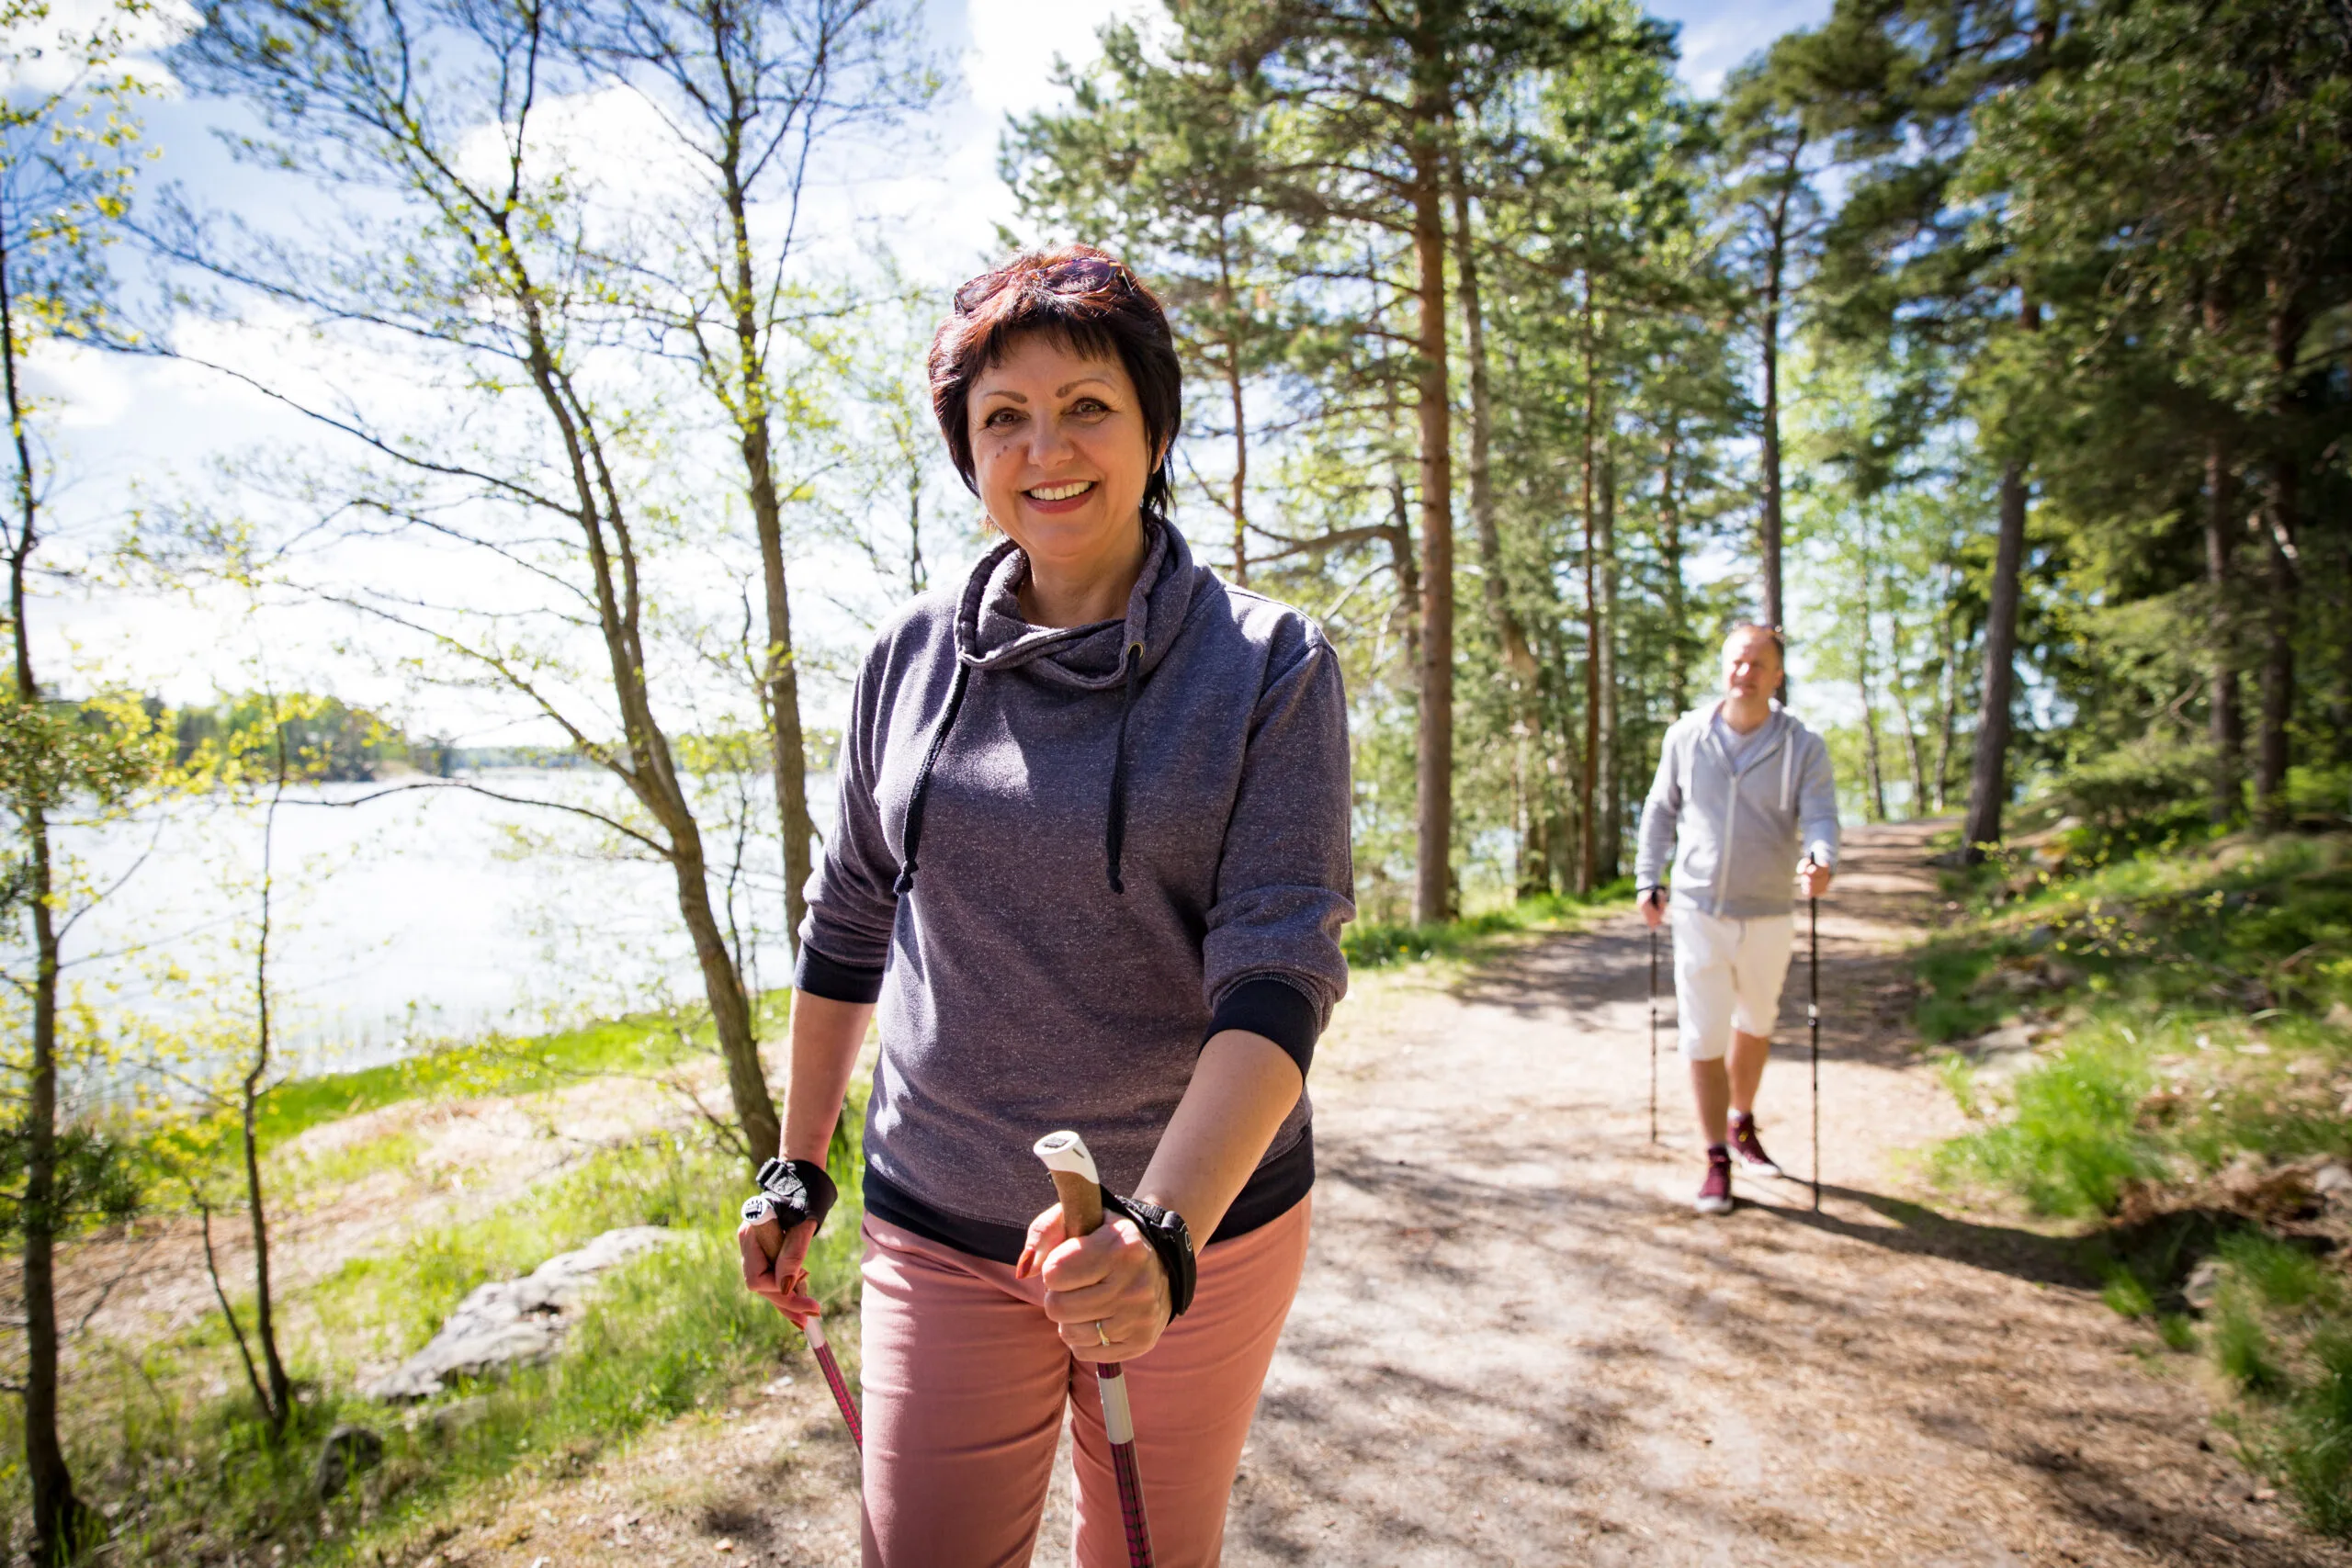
x: 1076, y: 1181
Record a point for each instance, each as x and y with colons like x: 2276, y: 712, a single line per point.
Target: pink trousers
x: 966, y: 1382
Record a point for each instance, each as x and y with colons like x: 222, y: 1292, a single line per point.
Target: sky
x: 135, y: 434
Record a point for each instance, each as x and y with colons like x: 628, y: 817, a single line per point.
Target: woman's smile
x: 1060, y: 497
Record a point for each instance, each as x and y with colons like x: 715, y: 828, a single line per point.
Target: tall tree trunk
x: 1989, y: 784
x: 1947, y: 697
x: 1232, y: 346
x: 2225, y: 719
x: 59, y: 1517
x: 1917, y: 763
x: 1769, y: 528
x: 1434, y: 882
x: 280, y: 1407
x: 2283, y: 506
x: 1873, y: 766
x: 1613, y: 761
x: 2272, y: 754
x: 1588, y: 778
x: 1511, y: 636
x: 1874, y: 758
x: 1988, y: 779
x: 780, y: 685
x: 1669, y: 515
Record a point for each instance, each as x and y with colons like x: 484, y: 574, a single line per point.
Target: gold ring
x: 1100, y: 1338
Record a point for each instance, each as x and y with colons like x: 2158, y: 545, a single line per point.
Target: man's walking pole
x: 1080, y: 1188
x: 1813, y: 1022
x: 1653, y: 1034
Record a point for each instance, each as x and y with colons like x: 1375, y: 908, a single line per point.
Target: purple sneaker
x: 1714, y: 1193
x: 1748, y: 1150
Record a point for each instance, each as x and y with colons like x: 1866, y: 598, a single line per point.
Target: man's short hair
x: 1769, y: 634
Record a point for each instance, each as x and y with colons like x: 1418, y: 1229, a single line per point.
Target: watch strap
x: 796, y: 1189
x: 1170, y: 1238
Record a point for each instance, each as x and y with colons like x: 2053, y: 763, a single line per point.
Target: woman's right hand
x: 774, y: 1267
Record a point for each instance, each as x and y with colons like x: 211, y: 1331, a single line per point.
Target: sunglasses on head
x: 1080, y: 275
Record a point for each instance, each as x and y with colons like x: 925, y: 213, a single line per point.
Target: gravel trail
x: 1517, y: 1344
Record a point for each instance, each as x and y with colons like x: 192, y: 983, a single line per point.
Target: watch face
x: 787, y: 1190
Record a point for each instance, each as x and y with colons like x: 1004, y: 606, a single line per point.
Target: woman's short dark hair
x: 1088, y: 302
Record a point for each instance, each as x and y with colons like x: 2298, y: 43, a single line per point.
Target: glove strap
x: 1170, y: 1238
x: 796, y: 1189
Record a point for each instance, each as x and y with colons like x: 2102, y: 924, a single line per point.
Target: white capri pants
x: 1727, y: 975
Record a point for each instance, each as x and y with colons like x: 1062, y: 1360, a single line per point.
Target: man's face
x: 1751, y: 666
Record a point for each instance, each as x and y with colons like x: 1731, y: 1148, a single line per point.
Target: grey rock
x: 347, y: 1450
x: 514, y: 1322
x: 2010, y: 1037
x: 2203, y: 1284
x: 2332, y: 1182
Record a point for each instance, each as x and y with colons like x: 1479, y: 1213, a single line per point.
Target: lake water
x: 410, y: 918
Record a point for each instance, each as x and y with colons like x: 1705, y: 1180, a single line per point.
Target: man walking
x: 1741, y: 784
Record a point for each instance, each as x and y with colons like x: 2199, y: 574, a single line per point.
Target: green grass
x: 2071, y: 1139
x: 2198, y: 983
x: 492, y: 1066
x: 1376, y: 946
x: 167, y: 1433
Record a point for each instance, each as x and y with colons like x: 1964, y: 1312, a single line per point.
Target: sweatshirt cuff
x: 836, y: 982
x: 1822, y: 854
x: 1271, y: 1007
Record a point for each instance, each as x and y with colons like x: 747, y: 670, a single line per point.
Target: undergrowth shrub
x: 2070, y: 1142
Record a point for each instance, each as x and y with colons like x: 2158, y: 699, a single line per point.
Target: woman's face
x: 1059, y: 451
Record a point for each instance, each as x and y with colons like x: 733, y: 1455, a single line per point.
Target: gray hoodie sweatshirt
x: 1734, y: 831
x: 1065, y: 858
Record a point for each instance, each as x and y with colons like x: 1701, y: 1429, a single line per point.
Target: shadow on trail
x: 1921, y: 1232
x: 1517, y: 1336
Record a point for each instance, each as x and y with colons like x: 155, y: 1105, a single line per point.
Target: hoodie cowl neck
x: 991, y: 633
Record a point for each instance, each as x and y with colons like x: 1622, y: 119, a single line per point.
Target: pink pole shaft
x: 1112, y: 1379
x: 839, y: 1384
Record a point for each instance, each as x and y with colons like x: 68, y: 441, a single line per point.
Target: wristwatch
x: 792, y: 1191
x: 1170, y: 1238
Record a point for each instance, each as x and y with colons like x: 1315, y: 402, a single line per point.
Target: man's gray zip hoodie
x: 1066, y: 857
x: 1736, y: 832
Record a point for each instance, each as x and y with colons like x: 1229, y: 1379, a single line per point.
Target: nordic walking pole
x: 1813, y: 1024
x: 758, y: 1211
x: 1080, y: 1187
x: 814, y: 1330
x: 1653, y: 1034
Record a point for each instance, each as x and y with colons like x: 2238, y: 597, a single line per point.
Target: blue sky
x: 134, y: 432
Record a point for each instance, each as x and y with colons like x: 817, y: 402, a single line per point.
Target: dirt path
x: 1517, y: 1344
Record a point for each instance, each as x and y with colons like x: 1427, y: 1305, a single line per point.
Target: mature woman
x: 1091, y: 865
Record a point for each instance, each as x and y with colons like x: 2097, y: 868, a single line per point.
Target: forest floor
x: 1517, y: 1344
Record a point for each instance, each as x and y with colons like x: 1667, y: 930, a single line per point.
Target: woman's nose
x: 1048, y: 443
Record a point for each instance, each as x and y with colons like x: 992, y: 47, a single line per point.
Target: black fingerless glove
x: 792, y: 1191
x: 1170, y: 1238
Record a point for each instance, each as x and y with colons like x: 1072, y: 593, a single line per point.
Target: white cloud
x: 1720, y: 35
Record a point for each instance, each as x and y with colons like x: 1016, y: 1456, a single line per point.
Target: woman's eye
x: 1001, y: 418
x: 1089, y: 408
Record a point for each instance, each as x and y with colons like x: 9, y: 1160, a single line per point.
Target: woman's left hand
x: 1111, y: 1282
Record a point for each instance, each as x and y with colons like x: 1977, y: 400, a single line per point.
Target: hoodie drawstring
x: 1115, y: 831
x: 913, y: 835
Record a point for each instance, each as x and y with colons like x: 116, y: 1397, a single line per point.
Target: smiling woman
x: 1056, y: 384
x: 1091, y: 864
